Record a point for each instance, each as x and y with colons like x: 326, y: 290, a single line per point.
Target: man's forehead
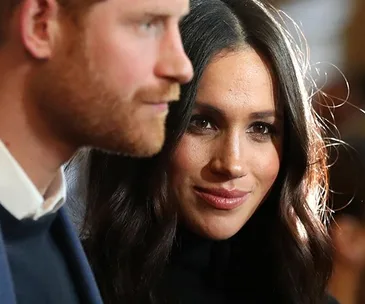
x: 160, y: 7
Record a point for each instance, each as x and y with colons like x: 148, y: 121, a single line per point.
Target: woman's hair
x: 130, y: 227
x: 347, y: 178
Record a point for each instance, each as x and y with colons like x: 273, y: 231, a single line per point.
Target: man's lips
x: 159, y: 105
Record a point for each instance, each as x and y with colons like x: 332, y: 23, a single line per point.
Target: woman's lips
x: 221, y: 198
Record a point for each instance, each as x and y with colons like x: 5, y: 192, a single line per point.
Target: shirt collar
x: 20, y: 197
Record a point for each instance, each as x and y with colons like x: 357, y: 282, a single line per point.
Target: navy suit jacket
x: 70, y: 245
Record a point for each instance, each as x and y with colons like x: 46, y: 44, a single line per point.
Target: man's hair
x: 7, y: 7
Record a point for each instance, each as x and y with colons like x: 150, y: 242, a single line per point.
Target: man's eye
x: 154, y: 25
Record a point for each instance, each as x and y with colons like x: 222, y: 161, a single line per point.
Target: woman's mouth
x: 221, y: 198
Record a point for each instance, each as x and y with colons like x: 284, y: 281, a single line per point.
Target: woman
x: 230, y: 210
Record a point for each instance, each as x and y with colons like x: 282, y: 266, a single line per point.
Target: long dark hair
x: 347, y: 177
x: 129, y: 227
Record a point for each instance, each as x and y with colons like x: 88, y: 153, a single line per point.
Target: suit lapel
x: 7, y: 294
x: 76, y: 258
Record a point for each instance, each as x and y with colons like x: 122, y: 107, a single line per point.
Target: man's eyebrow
x: 163, y: 12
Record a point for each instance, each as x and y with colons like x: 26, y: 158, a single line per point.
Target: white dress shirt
x: 20, y: 197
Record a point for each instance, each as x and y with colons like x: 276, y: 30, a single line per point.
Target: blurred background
x: 335, y: 34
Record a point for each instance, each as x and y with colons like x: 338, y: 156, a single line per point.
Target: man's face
x: 111, y: 77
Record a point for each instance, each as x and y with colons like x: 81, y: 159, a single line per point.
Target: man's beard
x: 80, y: 109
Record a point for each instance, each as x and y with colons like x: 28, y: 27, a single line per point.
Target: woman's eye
x: 200, y: 124
x: 262, y: 131
x: 260, y: 128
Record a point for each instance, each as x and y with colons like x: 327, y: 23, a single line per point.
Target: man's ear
x: 39, y: 26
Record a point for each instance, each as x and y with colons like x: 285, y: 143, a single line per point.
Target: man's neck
x: 26, y: 137
x: 344, y: 284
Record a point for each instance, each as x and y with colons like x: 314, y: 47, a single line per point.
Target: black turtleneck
x: 198, y: 271
x: 201, y: 271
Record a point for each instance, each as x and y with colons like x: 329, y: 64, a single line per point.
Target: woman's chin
x: 218, y: 233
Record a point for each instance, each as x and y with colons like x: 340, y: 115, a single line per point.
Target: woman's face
x: 229, y: 158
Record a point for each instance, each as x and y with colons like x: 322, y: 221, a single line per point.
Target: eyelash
x: 270, y: 129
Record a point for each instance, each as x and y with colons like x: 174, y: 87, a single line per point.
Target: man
x: 74, y: 73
